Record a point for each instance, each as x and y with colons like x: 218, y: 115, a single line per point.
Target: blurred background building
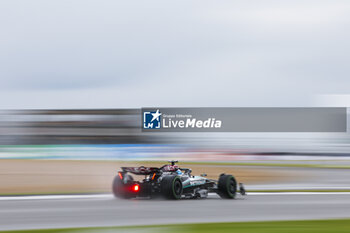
x: 28, y: 127
x: 121, y: 128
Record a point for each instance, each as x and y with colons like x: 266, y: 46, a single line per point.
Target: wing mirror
x: 204, y: 174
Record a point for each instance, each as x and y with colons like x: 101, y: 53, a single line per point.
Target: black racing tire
x: 227, y: 186
x: 120, y: 190
x: 171, y: 187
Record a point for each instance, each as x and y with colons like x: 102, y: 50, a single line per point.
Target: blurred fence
x: 101, y: 129
x: 26, y: 127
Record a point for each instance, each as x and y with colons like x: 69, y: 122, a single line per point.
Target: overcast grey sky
x: 112, y: 54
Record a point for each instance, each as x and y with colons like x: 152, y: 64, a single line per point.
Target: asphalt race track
x: 104, y: 210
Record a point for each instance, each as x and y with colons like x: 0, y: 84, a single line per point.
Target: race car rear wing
x: 141, y: 170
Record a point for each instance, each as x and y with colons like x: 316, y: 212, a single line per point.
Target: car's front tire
x: 171, y: 187
x: 227, y: 186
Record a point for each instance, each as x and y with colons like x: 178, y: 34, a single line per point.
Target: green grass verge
x: 309, y: 226
x: 53, y: 193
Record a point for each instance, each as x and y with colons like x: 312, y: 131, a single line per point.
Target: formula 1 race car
x: 172, y: 182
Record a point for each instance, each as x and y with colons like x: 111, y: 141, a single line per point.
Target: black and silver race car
x: 172, y: 182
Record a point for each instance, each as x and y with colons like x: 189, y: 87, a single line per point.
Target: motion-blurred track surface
x: 104, y: 210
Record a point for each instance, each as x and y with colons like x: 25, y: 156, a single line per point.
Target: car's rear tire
x: 227, y: 186
x: 171, y: 187
x: 120, y: 189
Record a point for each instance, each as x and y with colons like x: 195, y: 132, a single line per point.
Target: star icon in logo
x: 156, y: 115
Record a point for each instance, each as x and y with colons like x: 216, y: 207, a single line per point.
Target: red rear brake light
x: 136, y: 188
